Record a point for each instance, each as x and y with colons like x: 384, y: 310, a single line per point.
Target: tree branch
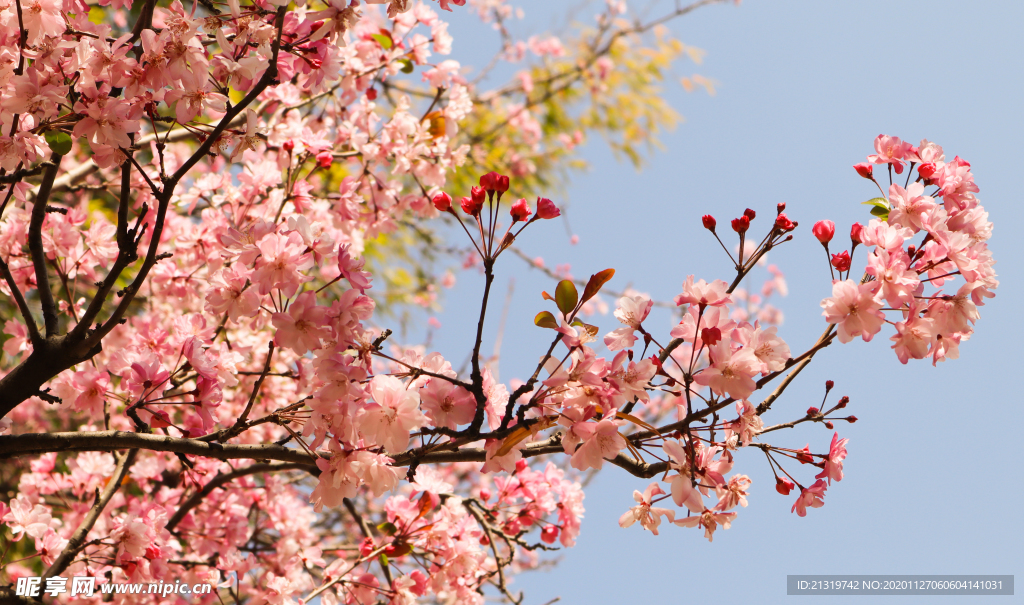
x: 35, y: 245
x: 77, y: 541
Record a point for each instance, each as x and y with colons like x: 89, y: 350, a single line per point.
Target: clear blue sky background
x: 933, y: 479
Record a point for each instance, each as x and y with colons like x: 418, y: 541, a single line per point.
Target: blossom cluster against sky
x: 802, y: 90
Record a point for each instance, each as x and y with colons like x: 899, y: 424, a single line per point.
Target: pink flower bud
x: 520, y: 210
x: 855, y: 232
x: 750, y: 214
x: 841, y: 261
x: 865, y: 170
x: 741, y: 224
x: 442, y: 201
x: 485, y: 494
x: 549, y: 534
x: 324, y: 159
x: 824, y: 230
x: 546, y: 208
x: 709, y: 222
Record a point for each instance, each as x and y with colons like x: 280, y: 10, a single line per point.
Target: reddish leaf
x: 597, y: 281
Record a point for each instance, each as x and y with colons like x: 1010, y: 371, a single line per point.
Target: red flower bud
x: 855, y: 232
x: 750, y: 214
x: 824, y: 230
x: 502, y: 183
x: 804, y: 458
x: 828, y: 385
x: 546, y: 208
x: 783, y: 486
x: 851, y: 419
x: 478, y: 194
x: 442, y: 201
x: 865, y: 170
x: 843, y: 401
x: 782, y: 222
x: 471, y: 206
x: 841, y: 261
x: 709, y: 222
x: 829, y: 425
x: 741, y: 224
x: 780, y: 208
x: 812, y: 411
x: 487, y: 181
x: 711, y: 336
x: 324, y: 159
x: 288, y: 145
x: 926, y: 170
x: 371, y: 94
x: 520, y: 211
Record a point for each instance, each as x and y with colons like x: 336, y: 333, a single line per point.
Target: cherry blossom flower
x: 834, y: 462
x: 812, y: 496
x: 709, y: 520
x: 392, y: 415
x: 649, y: 516
x: 854, y: 309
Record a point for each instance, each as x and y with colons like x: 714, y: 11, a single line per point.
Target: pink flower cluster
x: 917, y: 279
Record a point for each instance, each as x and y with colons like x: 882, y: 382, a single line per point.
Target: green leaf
x: 59, y: 142
x: 566, y: 296
x: 596, y: 282
x: 882, y: 213
x: 878, y: 202
x: 385, y: 41
x: 545, y: 319
x: 407, y: 66
x: 383, y: 558
x: 387, y: 528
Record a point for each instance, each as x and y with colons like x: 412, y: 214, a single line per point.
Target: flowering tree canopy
x: 202, y: 208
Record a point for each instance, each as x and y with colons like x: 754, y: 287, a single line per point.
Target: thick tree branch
x: 35, y: 245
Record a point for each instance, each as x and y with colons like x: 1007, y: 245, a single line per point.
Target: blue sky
x: 933, y: 479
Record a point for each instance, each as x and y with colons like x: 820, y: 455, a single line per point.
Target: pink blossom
x: 601, y: 441
x: 854, y: 308
x: 303, y: 326
x: 709, y: 520
x: 703, y: 293
x: 25, y: 519
x: 889, y: 150
x: 834, y: 462
x: 446, y: 404
x: 648, y: 516
x: 730, y: 371
x: 812, y: 496
x: 392, y: 415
